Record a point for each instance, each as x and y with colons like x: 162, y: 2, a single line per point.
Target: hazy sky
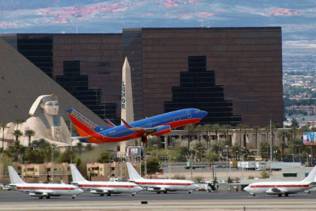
x: 296, y: 17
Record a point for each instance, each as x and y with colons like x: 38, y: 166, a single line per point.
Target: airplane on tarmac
x: 42, y: 190
x: 283, y: 187
x: 160, y: 185
x: 102, y: 187
x: 156, y: 125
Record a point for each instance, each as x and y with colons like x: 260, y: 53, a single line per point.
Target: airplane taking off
x: 156, y: 125
x: 103, y: 187
x: 42, y: 190
x: 160, y: 185
x: 283, y: 187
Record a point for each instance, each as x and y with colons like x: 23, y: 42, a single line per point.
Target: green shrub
x: 198, y: 179
x: 153, y: 165
x: 178, y: 177
x: 264, y: 174
x: 105, y: 157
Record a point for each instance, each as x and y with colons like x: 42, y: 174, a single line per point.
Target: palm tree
x: 79, y: 147
x: 3, y: 127
x: 283, y: 134
x: 256, y: 140
x: 272, y: 128
x: 17, y: 133
x: 17, y: 149
x: 236, y: 151
x: 206, y: 136
x: 226, y: 129
x: 214, y: 128
x: 190, y: 129
x: 240, y: 128
x: 198, y: 130
x: 29, y: 133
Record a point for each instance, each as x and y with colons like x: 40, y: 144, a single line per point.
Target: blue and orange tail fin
x: 84, y: 126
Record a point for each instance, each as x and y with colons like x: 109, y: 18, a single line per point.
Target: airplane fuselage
x: 164, y: 185
x: 39, y: 189
x: 278, y: 187
x: 100, y: 187
x: 162, y: 124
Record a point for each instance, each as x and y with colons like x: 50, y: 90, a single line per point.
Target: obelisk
x: 127, y: 107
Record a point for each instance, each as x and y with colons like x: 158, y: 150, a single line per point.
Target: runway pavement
x: 12, y: 200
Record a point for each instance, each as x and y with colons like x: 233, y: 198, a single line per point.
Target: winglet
x: 110, y: 123
x: 126, y: 124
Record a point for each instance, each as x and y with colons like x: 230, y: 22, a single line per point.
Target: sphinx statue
x: 44, y: 120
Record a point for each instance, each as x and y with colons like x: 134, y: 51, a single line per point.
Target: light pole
x: 271, y: 150
x: 2, y: 137
x: 167, y: 158
x: 145, y: 164
x: 310, y: 160
x: 227, y: 160
x: 191, y: 168
x: 71, y: 141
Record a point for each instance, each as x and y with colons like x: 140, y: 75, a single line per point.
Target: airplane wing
x: 148, y: 131
x: 276, y: 191
x: 110, y: 123
x: 40, y: 193
x: 158, y: 188
x: 80, y: 137
x: 101, y: 190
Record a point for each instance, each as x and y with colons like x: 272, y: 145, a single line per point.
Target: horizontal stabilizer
x: 159, y: 130
x: 80, y: 137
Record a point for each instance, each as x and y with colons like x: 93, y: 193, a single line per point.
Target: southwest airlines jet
x: 41, y: 190
x: 160, y: 185
x: 283, y: 187
x: 156, y: 125
x: 102, y: 187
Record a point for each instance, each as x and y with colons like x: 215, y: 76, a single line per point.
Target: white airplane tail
x: 132, y: 173
x: 311, y: 176
x: 14, y: 177
x: 76, y: 175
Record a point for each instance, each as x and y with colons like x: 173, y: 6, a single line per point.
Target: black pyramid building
x: 198, y: 89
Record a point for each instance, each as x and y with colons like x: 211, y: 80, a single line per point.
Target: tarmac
x: 222, y: 201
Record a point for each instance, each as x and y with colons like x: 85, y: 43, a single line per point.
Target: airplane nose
x: 195, y: 187
x: 247, y: 188
x: 139, y: 188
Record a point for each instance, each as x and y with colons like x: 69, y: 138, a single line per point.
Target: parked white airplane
x: 42, y: 190
x: 103, y: 187
x: 283, y: 187
x: 160, y: 185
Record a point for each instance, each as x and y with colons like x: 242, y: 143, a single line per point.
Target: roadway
x: 12, y: 200
x: 15, y: 196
